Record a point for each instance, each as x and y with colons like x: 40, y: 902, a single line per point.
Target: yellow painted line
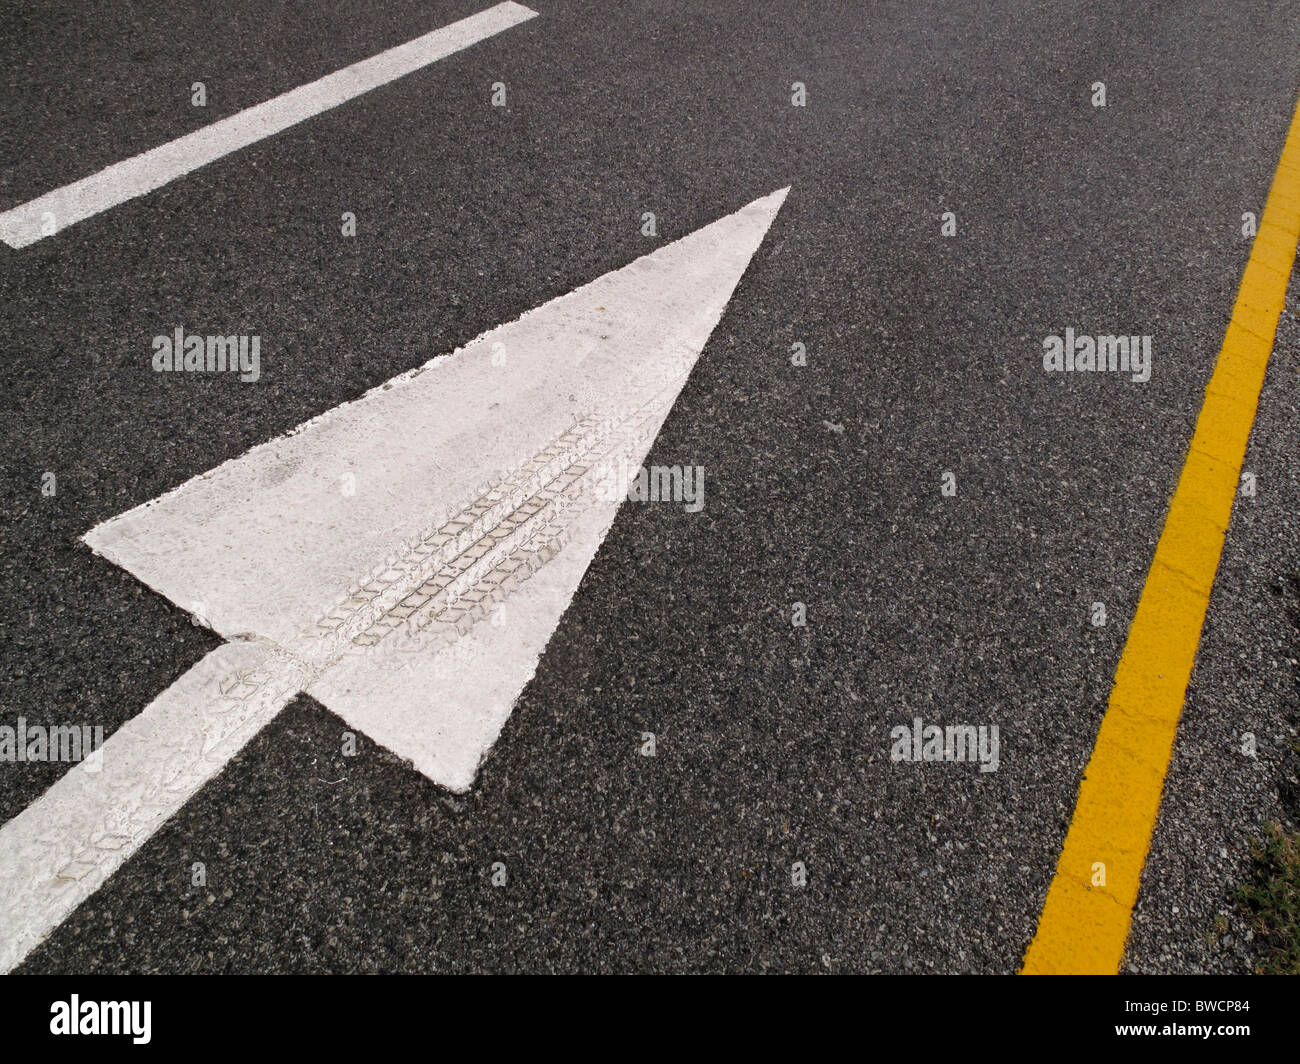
x: 1085, y: 921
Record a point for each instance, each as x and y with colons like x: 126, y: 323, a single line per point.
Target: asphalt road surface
x: 825, y: 481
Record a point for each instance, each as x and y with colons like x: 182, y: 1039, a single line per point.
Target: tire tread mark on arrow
x: 440, y: 563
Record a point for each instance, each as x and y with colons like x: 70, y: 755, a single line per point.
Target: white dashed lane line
x: 47, y: 214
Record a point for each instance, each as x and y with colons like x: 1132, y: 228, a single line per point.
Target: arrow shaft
x: 60, y: 849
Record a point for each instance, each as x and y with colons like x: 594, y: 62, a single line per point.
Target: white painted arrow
x: 403, y: 558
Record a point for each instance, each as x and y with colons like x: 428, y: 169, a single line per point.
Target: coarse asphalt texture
x: 924, y: 357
